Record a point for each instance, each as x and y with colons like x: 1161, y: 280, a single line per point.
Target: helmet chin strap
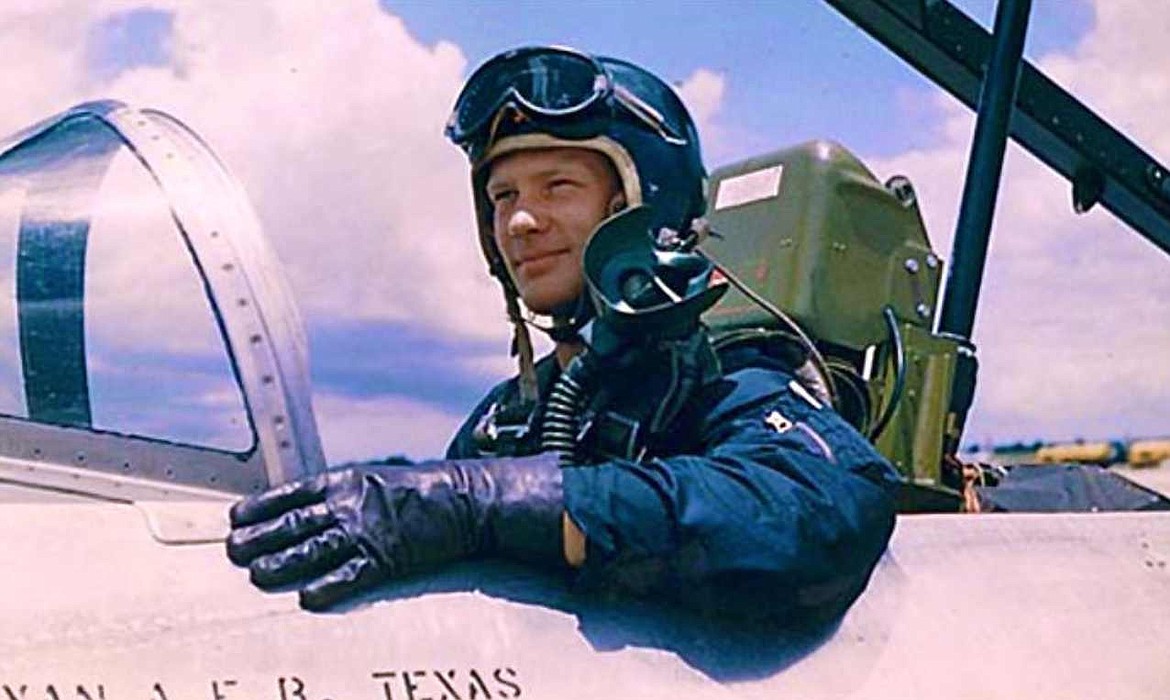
x: 565, y: 329
x: 521, y: 347
x: 569, y: 320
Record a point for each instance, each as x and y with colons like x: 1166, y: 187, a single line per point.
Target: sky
x: 331, y: 114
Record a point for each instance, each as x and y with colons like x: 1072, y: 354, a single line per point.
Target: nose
x: 522, y: 222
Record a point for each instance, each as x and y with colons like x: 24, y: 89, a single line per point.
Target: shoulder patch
x: 778, y: 422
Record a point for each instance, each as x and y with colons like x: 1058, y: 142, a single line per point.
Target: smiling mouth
x: 536, y: 259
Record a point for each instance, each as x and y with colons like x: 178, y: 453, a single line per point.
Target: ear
x: 616, y: 203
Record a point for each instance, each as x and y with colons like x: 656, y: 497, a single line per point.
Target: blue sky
x: 368, y: 207
x: 797, y: 69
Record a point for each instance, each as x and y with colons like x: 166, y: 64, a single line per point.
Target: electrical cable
x: 853, y: 394
x: 899, y: 375
x: 815, y: 354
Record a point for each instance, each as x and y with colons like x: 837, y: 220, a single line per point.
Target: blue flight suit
x: 758, y: 504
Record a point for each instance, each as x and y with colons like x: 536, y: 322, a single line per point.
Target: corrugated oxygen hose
x: 562, y: 417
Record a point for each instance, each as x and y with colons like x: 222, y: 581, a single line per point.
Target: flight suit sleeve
x: 782, y: 514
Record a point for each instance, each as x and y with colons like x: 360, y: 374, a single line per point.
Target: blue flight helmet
x: 553, y: 97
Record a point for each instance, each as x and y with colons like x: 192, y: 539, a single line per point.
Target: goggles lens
x: 541, y: 81
x: 555, y: 83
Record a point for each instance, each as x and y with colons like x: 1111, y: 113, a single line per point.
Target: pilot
x: 715, y: 480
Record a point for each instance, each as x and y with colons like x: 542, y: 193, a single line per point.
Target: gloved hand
x: 341, y: 532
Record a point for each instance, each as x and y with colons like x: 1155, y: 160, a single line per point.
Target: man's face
x: 546, y: 204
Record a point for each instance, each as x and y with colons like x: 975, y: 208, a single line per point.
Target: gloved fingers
x: 273, y: 502
x: 307, y: 560
x: 246, y: 543
x: 356, y: 575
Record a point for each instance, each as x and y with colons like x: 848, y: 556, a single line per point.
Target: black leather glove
x: 341, y: 532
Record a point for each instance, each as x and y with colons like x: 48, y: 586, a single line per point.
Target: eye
x: 561, y: 184
x: 502, y: 195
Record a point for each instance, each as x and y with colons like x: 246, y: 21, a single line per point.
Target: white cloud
x: 370, y: 428
x: 339, y: 141
x: 1122, y: 69
x: 702, y: 93
x: 1074, y: 319
x: 330, y: 113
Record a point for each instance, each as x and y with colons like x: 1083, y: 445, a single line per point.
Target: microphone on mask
x: 639, y: 289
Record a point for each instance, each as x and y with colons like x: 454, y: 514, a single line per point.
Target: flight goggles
x: 559, y: 86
